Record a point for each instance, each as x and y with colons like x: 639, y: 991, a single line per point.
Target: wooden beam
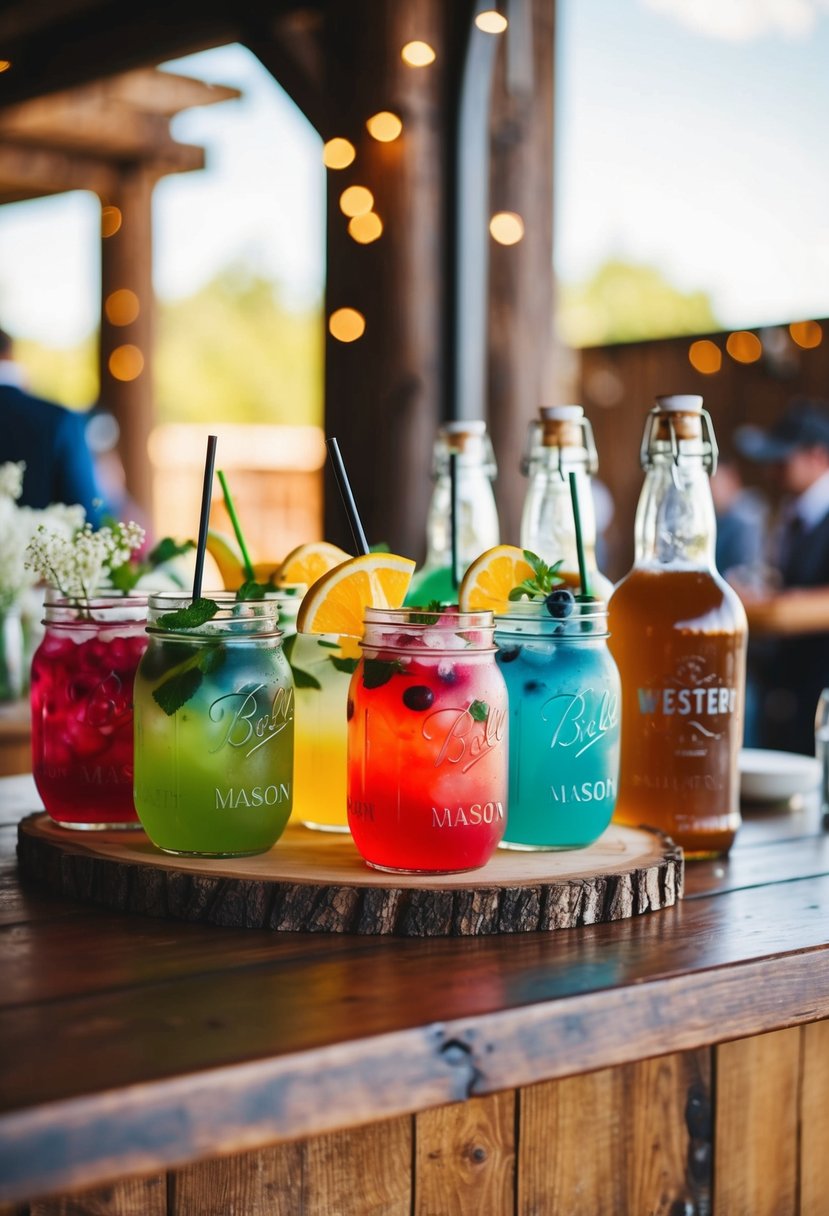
x: 166, y: 93
x: 33, y: 172
x: 293, y: 52
x: 126, y: 263
x: 86, y: 120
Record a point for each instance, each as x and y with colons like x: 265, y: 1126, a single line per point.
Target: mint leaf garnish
x: 304, y: 679
x: 251, y: 590
x: 198, y: 613
x: 541, y: 584
x: 347, y: 665
x: 479, y: 710
x: 167, y: 549
x: 177, y: 690
x: 328, y: 645
x: 430, y: 615
x: 377, y: 672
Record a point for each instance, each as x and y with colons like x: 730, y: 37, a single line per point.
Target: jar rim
x: 445, y: 631
x: 233, y: 618
x: 586, y: 621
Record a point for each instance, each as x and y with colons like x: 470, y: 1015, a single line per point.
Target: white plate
x: 769, y: 776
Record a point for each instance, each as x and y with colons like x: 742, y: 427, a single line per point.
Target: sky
x: 690, y: 137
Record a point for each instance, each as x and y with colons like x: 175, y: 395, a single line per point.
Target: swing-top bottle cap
x: 680, y: 403
x: 562, y: 413
x: 470, y: 426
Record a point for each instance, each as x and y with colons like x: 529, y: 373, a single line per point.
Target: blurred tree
x: 230, y: 353
x: 623, y: 302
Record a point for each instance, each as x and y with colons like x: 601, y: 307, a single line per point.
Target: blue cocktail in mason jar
x: 564, y: 694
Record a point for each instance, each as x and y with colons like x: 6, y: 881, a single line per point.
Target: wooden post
x: 384, y: 390
x: 521, y: 344
x: 126, y: 265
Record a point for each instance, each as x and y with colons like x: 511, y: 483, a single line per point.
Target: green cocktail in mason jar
x: 214, y: 727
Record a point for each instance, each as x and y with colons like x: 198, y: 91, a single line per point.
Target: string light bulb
x: 417, y: 54
x: 5, y: 64
x: 338, y: 153
x: 384, y: 126
x: 744, y: 346
x: 356, y: 200
x: 806, y: 334
x: 705, y: 356
x: 490, y: 21
x: 111, y: 220
x: 126, y: 362
x: 346, y: 324
x: 121, y: 306
x: 365, y: 228
x: 506, y: 227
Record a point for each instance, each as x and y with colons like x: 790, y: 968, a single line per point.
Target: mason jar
x: 82, y: 709
x: 427, y: 742
x: 214, y: 728
x: 564, y: 723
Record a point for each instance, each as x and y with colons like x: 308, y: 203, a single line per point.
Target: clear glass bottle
x: 678, y: 634
x: 477, y: 513
x: 822, y: 752
x: 564, y: 695
x: 560, y: 442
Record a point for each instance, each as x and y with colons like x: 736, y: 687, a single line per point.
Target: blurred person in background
x: 793, y: 659
x: 742, y: 519
x: 50, y: 439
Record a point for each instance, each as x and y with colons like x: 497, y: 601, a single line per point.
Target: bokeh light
x: 705, y: 356
x: 506, y: 227
x: 122, y: 306
x: 491, y: 21
x: 111, y: 220
x: 744, y: 346
x: 384, y: 127
x: 346, y: 325
x: 365, y: 228
x: 338, y: 153
x: 356, y: 200
x: 5, y: 64
x: 417, y: 54
x: 126, y: 362
x: 807, y: 334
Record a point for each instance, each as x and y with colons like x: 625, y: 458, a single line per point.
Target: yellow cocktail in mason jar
x: 322, y: 668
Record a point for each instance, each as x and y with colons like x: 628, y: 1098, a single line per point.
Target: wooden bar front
x: 670, y: 1063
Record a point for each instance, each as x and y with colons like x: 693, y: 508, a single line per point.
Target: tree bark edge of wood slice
x: 514, y: 893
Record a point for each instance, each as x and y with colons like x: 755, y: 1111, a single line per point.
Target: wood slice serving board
x: 316, y: 881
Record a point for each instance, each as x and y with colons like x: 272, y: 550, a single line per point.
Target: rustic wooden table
x: 675, y: 1063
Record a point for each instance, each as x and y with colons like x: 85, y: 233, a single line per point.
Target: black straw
x: 574, y: 498
x: 206, y: 494
x: 343, y: 485
x: 453, y: 515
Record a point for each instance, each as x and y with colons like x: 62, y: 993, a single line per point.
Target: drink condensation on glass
x: 322, y: 674
x: 82, y: 709
x: 214, y: 727
x: 564, y: 697
x: 427, y: 742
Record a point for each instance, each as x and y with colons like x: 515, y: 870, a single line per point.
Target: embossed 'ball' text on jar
x: 214, y: 728
x: 564, y: 695
x: 427, y: 742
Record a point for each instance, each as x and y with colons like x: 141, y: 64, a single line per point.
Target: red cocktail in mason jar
x: 427, y: 742
x: 81, y: 698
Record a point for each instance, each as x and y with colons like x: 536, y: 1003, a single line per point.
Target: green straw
x: 247, y: 564
x: 574, y: 498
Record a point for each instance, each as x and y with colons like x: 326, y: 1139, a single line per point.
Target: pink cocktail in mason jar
x: 81, y: 698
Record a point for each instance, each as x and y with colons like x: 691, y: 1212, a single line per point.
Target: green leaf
x: 124, y: 578
x: 303, y: 679
x: 479, y: 711
x: 177, y: 690
x: 346, y: 665
x: 167, y: 549
x: 251, y: 590
x: 430, y: 615
x: 328, y: 645
x: 382, y: 546
x: 533, y: 559
x: 377, y: 672
x: 288, y: 646
x: 198, y: 613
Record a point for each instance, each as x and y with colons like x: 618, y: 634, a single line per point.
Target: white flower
x: 11, y: 479
x: 76, y: 563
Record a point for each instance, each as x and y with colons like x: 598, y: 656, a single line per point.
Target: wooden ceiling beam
x: 166, y: 93
x: 32, y: 173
